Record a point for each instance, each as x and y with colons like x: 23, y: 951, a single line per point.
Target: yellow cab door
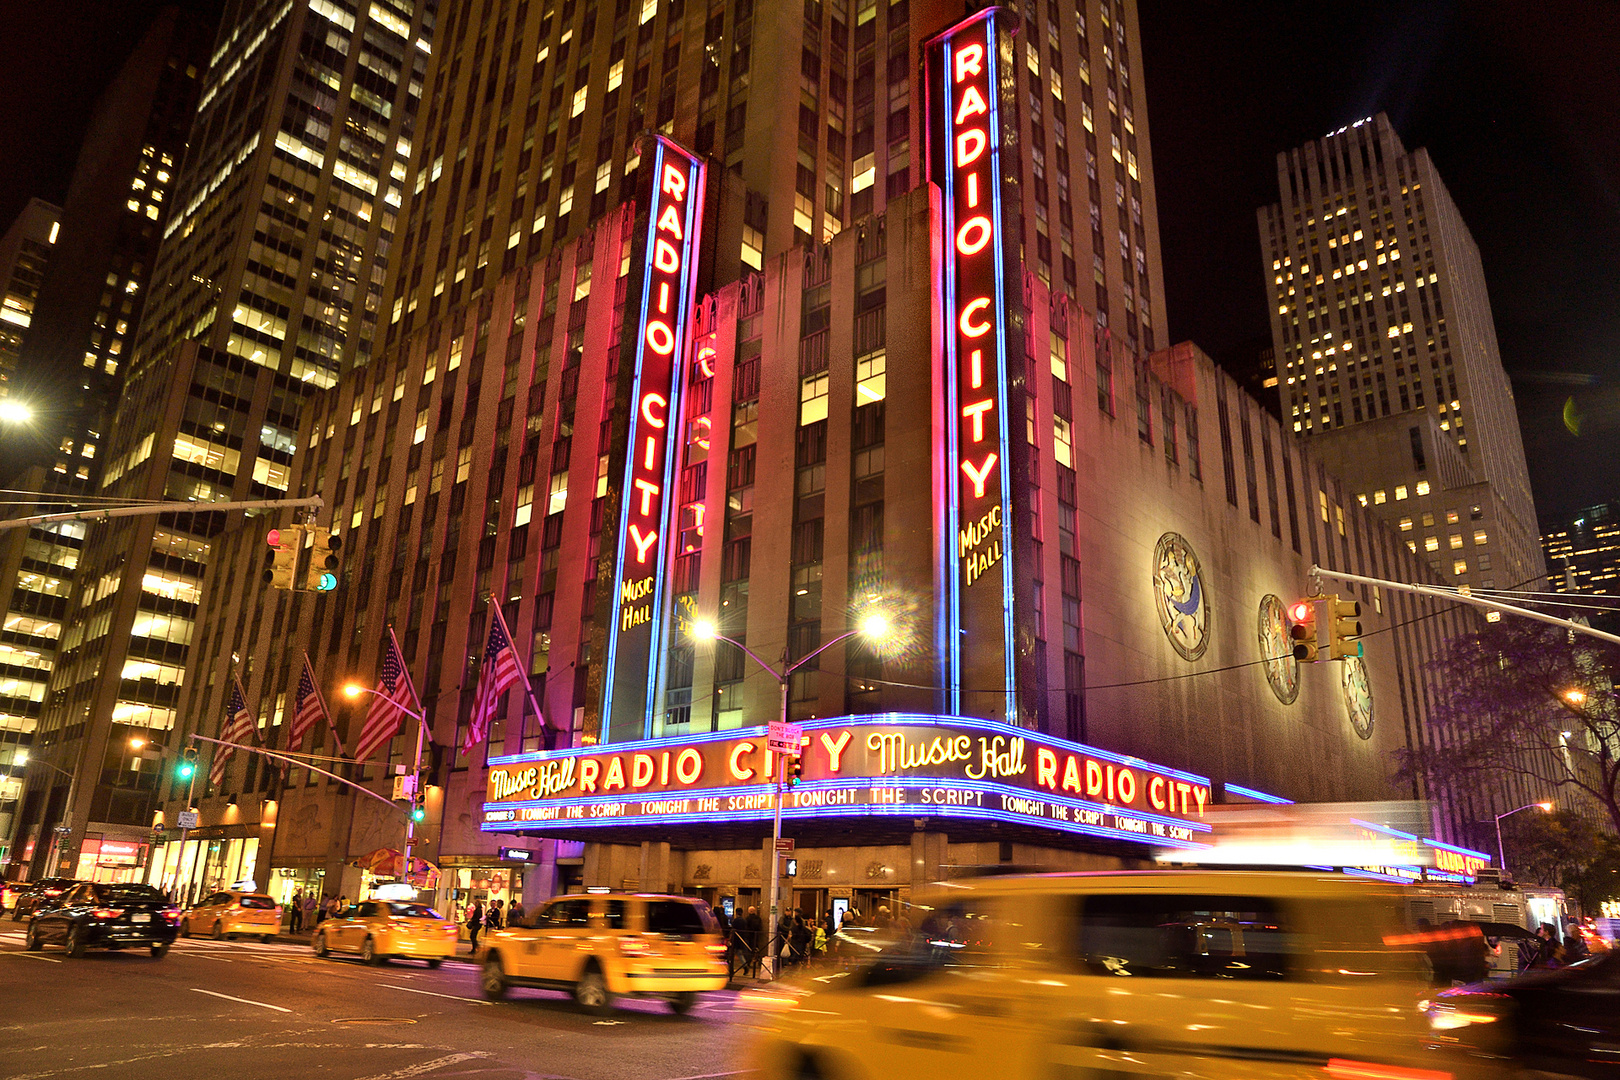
x: 564, y: 940
x: 351, y: 928
x: 945, y: 999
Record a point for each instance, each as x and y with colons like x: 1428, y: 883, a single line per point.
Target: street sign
x: 186, y: 819
x: 784, y: 845
x: 404, y: 787
x: 512, y: 854
x: 783, y: 738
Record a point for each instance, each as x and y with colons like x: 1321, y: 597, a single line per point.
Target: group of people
x: 493, y: 917
x: 1549, y: 950
x: 798, y: 938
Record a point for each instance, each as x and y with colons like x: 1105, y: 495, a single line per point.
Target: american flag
x: 238, y: 726
x: 308, y: 707
x: 499, y: 670
x: 390, y: 704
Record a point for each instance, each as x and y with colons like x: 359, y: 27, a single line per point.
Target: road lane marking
x: 244, y: 1001
x: 427, y: 1066
x: 430, y: 993
x: 34, y: 956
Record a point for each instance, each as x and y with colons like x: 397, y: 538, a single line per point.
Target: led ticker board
x: 637, y: 621
x: 977, y: 536
x: 901, y: 765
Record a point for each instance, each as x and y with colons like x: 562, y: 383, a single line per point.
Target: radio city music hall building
x: 1086, y: 553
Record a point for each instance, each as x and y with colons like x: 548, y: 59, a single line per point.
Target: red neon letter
x: 649, y: 491
x: 1156, y: 792
x: 660, y: 337
x: 737, y: 770
x: 669, y: 221
x: 976, y: 368
x: 688, y: 766
x: 665, y: 257
x: 969, y: 61
x: 977, y: 476
x: 642, y: 542
x: 969, y: 145
x: 674, y: 182
x: 969, y: 327
x: 975, y: 412
x: 972, y: 105
x: 973, y: 235
x: 1046, y: 768
x: 835, y: 750
x: 589, y: 770
x: 647, y: 403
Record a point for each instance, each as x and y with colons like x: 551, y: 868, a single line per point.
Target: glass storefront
x: 199, y: 867
x: 487, y: 883
x: 109, y: 860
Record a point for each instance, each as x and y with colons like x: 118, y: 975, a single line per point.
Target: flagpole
x: 416, y: 770
x: 527, y: 688
x: 331, y: 724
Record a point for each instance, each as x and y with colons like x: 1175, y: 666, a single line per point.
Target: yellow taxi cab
x: 604, y: 946
x: 232, y: 913
x: 381, y: 930
x: 1216, y: 975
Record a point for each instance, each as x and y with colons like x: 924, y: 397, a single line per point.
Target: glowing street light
x: 1501, y: 859
x: 1575, y: 697
x: 13, y: 411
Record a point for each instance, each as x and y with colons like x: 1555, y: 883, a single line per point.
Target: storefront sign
x: 965, y: 99
x: 636, y: 624
x: 115, y: 852
x: 899, y: 765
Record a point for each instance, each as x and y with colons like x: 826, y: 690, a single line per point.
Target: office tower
x: 547, y: 409
x: 1386, y: 353
x: 266, y: 285
x: 1583, y: 550
x: 25, y: 250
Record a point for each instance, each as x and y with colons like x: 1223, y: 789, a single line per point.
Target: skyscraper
x: 1386, y: 354
x: 266, y: 285
x: 25, y: 249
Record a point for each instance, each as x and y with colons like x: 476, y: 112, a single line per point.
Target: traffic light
x: 419, y: 808
x: 188, y: 764
x: 793, y: 770
x: 323, y: 560
x: 281, y: 561
x: 1302, y: 614
x: 1345, y: 628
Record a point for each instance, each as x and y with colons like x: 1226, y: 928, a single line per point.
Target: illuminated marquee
x: 949, y: 766
x: 978, y: 526
x: 636, y: 624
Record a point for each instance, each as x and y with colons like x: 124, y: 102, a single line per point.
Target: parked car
x: 381, y: 930
x: 34, y: 894
x: 102, y: 916
x: 604, y: 946
x: 228, y: 914
x: 1219, y: 975
x: 1551, y: 1023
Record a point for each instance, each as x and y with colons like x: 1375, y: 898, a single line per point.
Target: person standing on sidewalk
x: 475, y: 922
x: 309, y: 909
x: 295, y: 910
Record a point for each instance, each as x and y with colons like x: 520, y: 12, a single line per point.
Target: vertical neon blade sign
x: 979, y: 536
x: 634, y: 635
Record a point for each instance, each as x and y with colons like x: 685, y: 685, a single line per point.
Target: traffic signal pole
x: 1466, y: 598
x: 314, y: 502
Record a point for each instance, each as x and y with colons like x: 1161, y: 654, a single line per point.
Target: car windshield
x: 414, y: 911
x: 129, y: 894
x: 261, y: 903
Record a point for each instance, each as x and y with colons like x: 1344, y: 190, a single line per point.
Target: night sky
x: 1519, y: 105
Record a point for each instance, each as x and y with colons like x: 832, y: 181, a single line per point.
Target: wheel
x: 185, y: 927
x: 33, y: 942
x: 808, y: 1069
x: 368, y: 952
x: 160, y: 949
x: 493, y: 982
x: 219, y: 931
x: 591, y: 993
x: 75, y: 942
x: 265, y: 938
x: 434, y: 962
x: 681, y: 1004
x: 319, y: 944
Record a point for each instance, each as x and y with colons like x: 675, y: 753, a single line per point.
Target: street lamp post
x: 354, y: 690
x: 1501, y: 858
x: 876, y: 628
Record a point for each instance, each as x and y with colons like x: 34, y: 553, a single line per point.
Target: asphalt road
x: 245, y: 1010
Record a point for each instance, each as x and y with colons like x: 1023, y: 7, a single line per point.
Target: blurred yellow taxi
x: 1220, y: 976
x: 232, y: 913
x: 603, y: 946
x: 381, y: 930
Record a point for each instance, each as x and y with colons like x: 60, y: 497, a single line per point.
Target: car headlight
x: 1450, y: 1018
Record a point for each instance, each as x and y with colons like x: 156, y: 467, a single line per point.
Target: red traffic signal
x: 1302, y: 613
x: 1301, y: 610
x: 273, y: 538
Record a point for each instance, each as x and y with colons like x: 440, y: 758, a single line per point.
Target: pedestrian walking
x: 753, y: 939
x: 475, y: 922
x: 495, y: 919
x: 818, y: 939
x: 296, y: 912
x: 799, y: 937
x: 309, y: 909
x: 515, y: 914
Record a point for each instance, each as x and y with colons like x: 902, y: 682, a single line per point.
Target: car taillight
x: 632, y: 946
x: 1341, y: 1069
x: 717, y: 950
x: 171, y: 915
x: 106, y: 913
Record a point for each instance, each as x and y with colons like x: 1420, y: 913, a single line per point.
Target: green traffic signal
x: 185, y: 770
x: 418, y: 814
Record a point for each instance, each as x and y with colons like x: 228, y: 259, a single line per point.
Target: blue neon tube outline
x: 1454, y: 848
x: 923, y: 720
x: 672, y: 446
x: 1258, y: 796
x: 953, y: 425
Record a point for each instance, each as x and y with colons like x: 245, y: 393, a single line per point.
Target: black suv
x: 40, y: 894
x: 106, y: 916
